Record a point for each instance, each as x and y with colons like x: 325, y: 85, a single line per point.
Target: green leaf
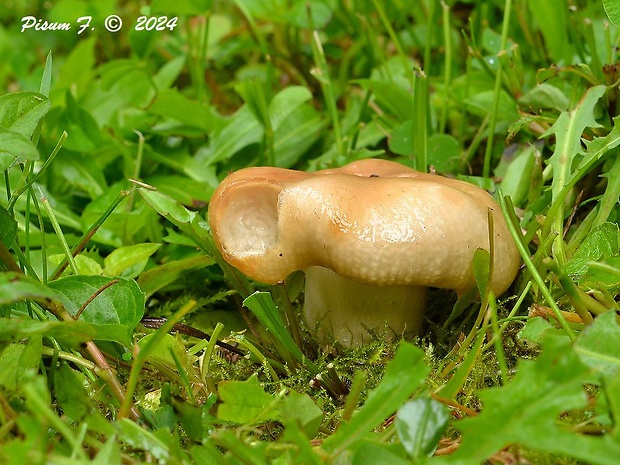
x: 320, y: 14
x: 172, y: 104
x: 481, y: 266
x: 128, y: 261
x: 601, y: 243
x: 296, y: 134
x: 612, y: 10
x: 527, y: 411
x: 18, y: 362
x: 568, y: 129
x: 15, y: 147
x: 188, y: 192
x: 168, y: 208
x: 15, y: 287
x: 403, y: 375
x: 517, y: 179
x: 68, y: 332
x: 401, y: 139
x: 444, y: 153
x: 142, y: 439
x: 598, y: 346
x: 286, y: 102
x: 375, y: 453
x: 20, y: 112
x: 154, y: 279
x: 420, y: 424
x: 245, y: 402
x: 241, y: 130
x: 300, y: 408
x: 116, y: 310
x: 544, y: 96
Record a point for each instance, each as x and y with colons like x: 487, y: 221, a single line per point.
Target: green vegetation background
x: 112, y: 143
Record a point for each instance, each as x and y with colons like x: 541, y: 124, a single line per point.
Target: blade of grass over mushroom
x: 507, y: 208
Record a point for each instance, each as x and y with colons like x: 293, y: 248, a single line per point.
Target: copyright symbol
x: 113, y: 23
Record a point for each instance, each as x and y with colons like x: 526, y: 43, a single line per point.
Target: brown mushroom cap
x: 383, y: 229
x: 416, y: 228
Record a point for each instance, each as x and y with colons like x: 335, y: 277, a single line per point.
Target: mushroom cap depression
x: 372, y: 221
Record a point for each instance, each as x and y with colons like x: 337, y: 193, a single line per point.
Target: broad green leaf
x: 68, y: 332
x: 286, y: 102
x: 545, y: 95
x: 420, y: 424
x: 601, y: 243
x: 241, y: 130
x: 83, y: 172
x: 245, y: 402
x: 300, y: 408
x: 188, y: 192
x: 403, y: 375
x: 128, y: 261
x: 401, y: 139
x: 19, y: 361
x: 612, y: 9
x: 172, y: 104
x: 568, y: 129
x: 168, y: 208
x: 76, y: 71
x: 598, y: 346
x: 527, y: 411
x: 15, y: 287
x: 70, y: 393
x: 378, y: 453
x: 320, y: 14
x: 516, y: 181
x: 15, y: 147
x: 84, y: 133
x: 296, y: 134
x: 154, y: 279
x: 20, y: 112
x: 444, y: 153
x: 109, y: 453
x: 392, y: 97
x: 115, y: 306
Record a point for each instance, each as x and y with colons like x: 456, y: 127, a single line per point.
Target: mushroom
x: 371, y: 237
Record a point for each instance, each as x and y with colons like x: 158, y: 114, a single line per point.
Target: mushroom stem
x: 349, y: 313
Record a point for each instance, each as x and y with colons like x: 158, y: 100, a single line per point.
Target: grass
x: 113, y: 144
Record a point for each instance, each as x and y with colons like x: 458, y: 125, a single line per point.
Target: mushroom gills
x: 349, y: 313
x: 250, y: 225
